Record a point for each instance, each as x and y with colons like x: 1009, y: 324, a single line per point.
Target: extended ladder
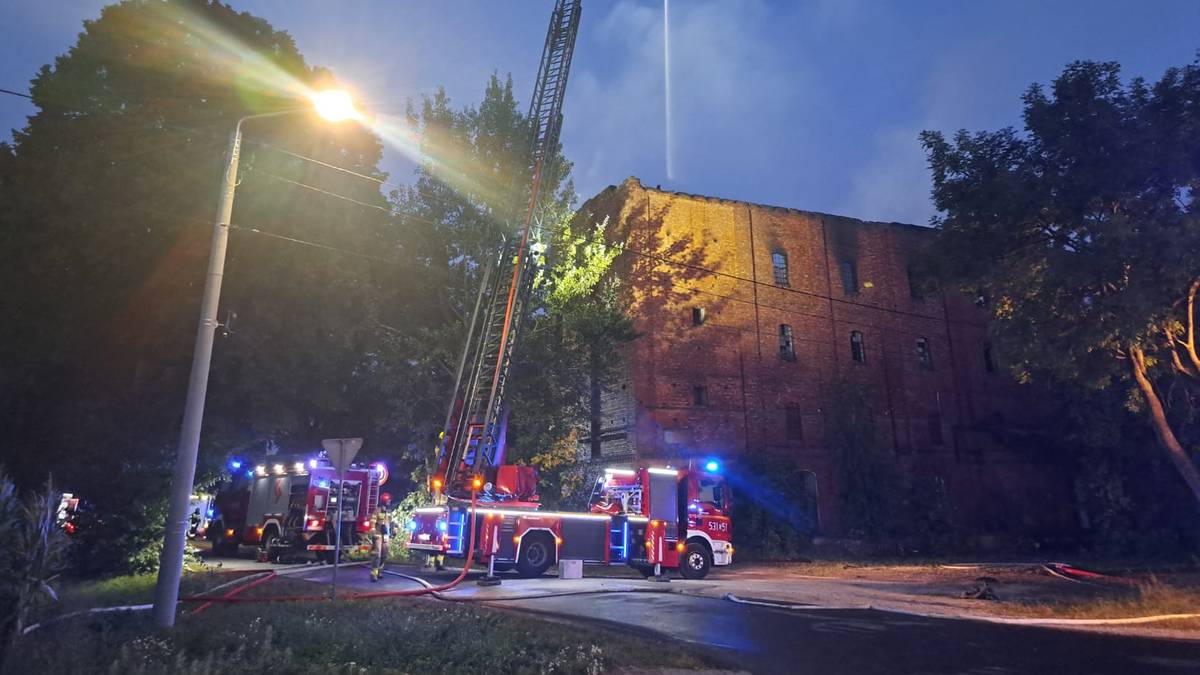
x: 472, y: 442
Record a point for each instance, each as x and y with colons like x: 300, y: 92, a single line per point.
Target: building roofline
x: 634, y: 181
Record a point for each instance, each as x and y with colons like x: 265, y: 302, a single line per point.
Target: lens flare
x: 335, y: 105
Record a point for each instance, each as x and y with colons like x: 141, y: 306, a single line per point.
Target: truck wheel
x: 271, y: 543
x: 695, y: 562
x: 537, y: 555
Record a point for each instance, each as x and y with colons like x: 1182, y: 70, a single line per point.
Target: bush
x: 376, y: 636
x: 774, y: 516
x: 32, y: 552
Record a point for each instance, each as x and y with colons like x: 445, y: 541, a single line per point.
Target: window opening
x: 793, y: 424
x: 924, y: 357
x: 699, y: 316
x: 787, y: 344
x: 779, y: 265
x: 700, y: 395
x: 849, y: 277
x: 858, y: 348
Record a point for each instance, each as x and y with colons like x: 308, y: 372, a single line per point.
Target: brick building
x: 747, y: 314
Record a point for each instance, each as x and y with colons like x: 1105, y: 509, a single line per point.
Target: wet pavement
x: 768, y: 640
x: 811, y: 640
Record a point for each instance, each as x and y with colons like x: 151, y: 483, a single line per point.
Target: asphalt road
x: 833, y: 641
x: 767, y: 640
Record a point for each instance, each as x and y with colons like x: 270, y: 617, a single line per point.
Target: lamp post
x: 334, y: 106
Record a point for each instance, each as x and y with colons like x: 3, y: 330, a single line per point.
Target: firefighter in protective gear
x: 381, y: 533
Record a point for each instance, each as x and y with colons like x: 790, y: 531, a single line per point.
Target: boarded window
x: 700, y: 395
x: 989, y: 362
x: 793, y: 425
x: 698, y: 316
x: 935, y: 429
x: 924, y: 357
x: 858, y: 347
x: 779, y: 266
x: 787, y: 345
x: 849, y: 277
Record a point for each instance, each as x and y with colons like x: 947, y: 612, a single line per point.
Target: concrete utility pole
x: 335, y: 106
x: 170, y: 564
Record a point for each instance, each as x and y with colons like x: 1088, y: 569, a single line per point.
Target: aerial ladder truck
x: 650, y: 517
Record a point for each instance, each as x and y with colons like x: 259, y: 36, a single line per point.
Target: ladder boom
x: 472, y: 442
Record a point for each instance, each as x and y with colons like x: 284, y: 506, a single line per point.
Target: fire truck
x: 650, y: 517
x: 292, y: 504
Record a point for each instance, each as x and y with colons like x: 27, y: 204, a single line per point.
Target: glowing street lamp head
x: 335, y: 105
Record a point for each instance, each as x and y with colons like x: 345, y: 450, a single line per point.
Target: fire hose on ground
x: 231, y: 597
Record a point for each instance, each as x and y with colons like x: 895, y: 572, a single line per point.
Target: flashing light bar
x: 663, y: 472
x: 261, y: 469
x: 278, y: 468
x: 620, y: 472
x: 431, y: 509
x: 546, y: 514
x: 299, y: 467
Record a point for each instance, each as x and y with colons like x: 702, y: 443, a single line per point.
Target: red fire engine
x: 291, y: 505
x: 651, y: 519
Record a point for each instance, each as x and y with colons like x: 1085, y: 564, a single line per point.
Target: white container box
x: 570, y: 569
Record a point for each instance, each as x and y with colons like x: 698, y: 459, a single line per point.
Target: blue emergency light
x: 712, y: 466
x: 412, y: 524
x: 235, y: 464
x: 443, y: 525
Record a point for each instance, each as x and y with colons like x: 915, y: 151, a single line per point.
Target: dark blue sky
x: 814, y: 105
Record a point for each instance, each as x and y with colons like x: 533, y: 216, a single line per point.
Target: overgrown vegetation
x: 1082, y: 234
x: 32, y: 552
x: 378, y: 636
x: 108, y: 206
x: 774, y: 517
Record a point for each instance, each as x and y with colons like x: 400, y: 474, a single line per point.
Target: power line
x: 562, y: 230
x: 328, y: 247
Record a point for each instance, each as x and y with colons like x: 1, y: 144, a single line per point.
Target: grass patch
x: 1153, y: 598
x: 133, y: 589
x: 392, y: 635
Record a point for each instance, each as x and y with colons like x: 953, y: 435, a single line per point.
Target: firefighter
x: 381, y: 533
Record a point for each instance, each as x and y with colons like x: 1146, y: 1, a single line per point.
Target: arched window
x: 858, y: 348
x: 779, y: 266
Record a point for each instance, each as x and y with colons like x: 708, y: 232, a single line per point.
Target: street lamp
x: 334, y: 106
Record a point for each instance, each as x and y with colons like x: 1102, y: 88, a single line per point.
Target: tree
x: 1082, y: 235
x: 108, y: 199
x: 468, y: 194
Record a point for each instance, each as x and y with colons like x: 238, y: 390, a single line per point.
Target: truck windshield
x: 711, y: 491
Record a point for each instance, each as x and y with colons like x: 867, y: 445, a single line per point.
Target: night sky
x: 814, y: 105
